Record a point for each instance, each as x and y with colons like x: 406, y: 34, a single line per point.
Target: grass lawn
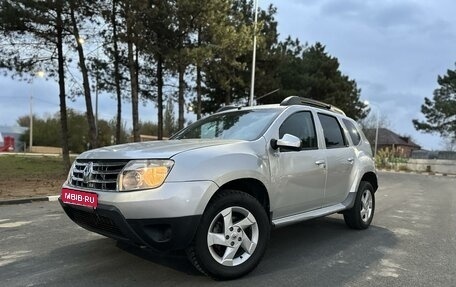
x: 30, y: 176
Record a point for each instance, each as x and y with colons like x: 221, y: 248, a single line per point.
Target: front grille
x: 96, y: 175
x: 97, y: 222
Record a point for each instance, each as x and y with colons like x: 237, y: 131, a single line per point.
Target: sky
x: 393, y: 49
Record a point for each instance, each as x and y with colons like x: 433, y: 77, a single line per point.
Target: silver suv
x: 219, y: 186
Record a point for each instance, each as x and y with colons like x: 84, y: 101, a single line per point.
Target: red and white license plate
x: 77, y: 197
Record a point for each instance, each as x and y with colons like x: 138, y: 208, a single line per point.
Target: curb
x: 419, y: 173
x: 29, y: 200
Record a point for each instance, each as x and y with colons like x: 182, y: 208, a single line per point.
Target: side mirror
x: 287, y: 141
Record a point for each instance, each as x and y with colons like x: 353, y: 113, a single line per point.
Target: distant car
x: 218, y: 186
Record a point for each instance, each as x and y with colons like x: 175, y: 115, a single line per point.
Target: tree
x: 34, y: 34
x: 169, y: 120
x: 312, y: 73
x: 79, y: 8
x: 47, y: 131
x: 109, y: 70
x: 148, y: 128
x: 185, y: 13
x: 62, y: 95
x: 440, y: 112
x: 449, y: 145
x: 132, y: 44
x: 117, y: 76
x: 267, y: 60
x: 156, y: 50
x: 370, y: 121
x: 201, y: 50
x: 231, y: 38
x: 286, y: 68
x: 159, y: 30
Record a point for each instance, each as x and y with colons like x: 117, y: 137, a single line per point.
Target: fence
x: 425, y: 154
x: 46, y: 149
x: 444, y: 166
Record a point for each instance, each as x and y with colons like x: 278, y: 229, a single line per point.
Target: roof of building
x: 388, y: 137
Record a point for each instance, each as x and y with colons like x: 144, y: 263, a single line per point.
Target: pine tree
x: 231, y: 38
x: 78, y: 13
x: 309, y: 71
x: 440, y: 112
x: 109, y: 70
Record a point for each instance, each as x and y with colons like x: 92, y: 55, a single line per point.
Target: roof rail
x: 295, y: 100
x: 227, y: 108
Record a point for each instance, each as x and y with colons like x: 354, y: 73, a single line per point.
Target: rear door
x: 340, y: 157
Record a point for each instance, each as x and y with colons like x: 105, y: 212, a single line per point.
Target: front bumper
x: 172, y: 199
x: 160, y: 234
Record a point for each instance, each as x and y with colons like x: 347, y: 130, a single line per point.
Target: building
x: 402, y: 146
x: 16, y: 132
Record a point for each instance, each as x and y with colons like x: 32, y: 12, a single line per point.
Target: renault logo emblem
x: 87, y: 173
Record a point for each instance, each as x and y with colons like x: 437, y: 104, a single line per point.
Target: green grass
x: 26, y: 167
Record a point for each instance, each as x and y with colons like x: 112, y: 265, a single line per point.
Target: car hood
x: 151, y: 150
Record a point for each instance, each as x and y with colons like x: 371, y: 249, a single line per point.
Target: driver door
x: 299, y: 179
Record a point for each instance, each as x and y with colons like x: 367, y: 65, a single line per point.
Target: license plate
x: 77, y: 197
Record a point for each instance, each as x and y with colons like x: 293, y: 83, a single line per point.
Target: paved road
x: 412, y: 242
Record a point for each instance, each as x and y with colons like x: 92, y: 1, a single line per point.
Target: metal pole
x: 31, y: 125
x: 96, y: 103
x: 377, y: 124
x: 39, y: 74
x: 252, y: 83
x: 96, y: 98
x: 376, y: 134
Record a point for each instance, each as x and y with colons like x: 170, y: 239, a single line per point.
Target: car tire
x: 232, y: 236
x: 361, y: 214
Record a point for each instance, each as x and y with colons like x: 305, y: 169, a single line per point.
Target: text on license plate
x: 72, y: 196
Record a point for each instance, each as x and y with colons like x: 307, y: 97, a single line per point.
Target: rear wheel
x: 361, y: 214
x: 232, y: 236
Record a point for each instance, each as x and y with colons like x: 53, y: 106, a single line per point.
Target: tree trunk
x: 85, y: 80
x: 181, y: 100
x: 198, y: 81
x: 160, y: 96
x: 181, y: 74
x: 62, y: 95
x: 117, y: 74
x: 228, y: 97
x: 198, y: 92
x: 133, y: 79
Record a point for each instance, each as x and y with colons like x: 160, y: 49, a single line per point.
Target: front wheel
x: 232, y: 236
x: 361, y: 214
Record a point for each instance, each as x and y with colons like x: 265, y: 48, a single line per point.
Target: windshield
x: 240, y: 125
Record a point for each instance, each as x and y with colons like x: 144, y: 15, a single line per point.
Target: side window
x: 334, y: 136
x: 301, y: 125
x: 353, y: 131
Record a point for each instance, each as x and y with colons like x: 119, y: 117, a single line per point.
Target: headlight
x: 70, y: 173
x: 143, y: 174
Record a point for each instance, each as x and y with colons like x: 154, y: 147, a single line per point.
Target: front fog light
x: 143, y: 174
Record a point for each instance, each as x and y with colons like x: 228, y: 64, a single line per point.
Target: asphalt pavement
x: 412, y: 242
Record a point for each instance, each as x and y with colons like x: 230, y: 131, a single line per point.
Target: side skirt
x: 346, y: 204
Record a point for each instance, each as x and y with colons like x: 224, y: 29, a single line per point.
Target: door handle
x: 351, y: 160
x: 321, y: 163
